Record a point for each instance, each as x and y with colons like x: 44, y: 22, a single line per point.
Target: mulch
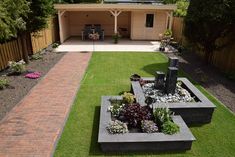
x: 212, y: 79
x: 20, y: 86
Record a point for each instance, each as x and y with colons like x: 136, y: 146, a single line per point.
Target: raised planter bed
x: 141, y: 141
x: 197, y: 112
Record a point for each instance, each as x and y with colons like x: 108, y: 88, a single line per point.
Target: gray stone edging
x: 141, y: 141
x: 191, y: 112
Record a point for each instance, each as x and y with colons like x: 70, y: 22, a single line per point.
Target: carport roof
x: 106, y: 7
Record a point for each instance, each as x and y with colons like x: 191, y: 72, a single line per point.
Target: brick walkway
x: 33, y: 127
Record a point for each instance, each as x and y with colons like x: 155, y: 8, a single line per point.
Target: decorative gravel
x: 181, y: 94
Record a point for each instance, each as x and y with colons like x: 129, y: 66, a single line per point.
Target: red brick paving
x: 32, y: 128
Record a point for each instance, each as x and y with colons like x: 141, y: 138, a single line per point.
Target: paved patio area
x: 32, y: 128
x: 76, y: 44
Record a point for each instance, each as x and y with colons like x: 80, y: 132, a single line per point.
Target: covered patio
x: 133, y: 21
x: 75, y: 44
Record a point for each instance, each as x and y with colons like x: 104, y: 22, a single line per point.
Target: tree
x: 210, y: 25
x: 169, y: 1
x: 40, y: 11
x: 12, y: 18
x: 182, y: 6
x: 76, y: 1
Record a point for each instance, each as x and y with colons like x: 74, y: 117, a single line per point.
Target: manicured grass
x: 108, y: 74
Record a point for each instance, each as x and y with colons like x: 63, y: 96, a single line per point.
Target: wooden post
x: 171, y: 20
x: 60, y: 14
x: 115, y: 13
x: 169, y: 15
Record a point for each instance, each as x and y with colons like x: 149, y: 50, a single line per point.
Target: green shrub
x: 55, y: 45
x: 168, y: 33
x: 162, y: 115
x: 148, y: 126
x: 3, y: 83
x: 116, y: 107
x: 170, y: 128
x: 17, y: 67
x: 128, y: 98
x: 36, y: 56
x: 117, y: 127
x: 116, y: 38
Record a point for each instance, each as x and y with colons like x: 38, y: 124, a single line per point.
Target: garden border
x: 141, y: 141
x: 192, y: 113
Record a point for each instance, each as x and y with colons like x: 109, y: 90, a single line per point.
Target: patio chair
x: 99, y: 30
x: 86, y: 31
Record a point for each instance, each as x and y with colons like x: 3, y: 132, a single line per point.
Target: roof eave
x: 103, y: 7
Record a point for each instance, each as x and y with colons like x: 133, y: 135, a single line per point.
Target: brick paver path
x: 32, y: 128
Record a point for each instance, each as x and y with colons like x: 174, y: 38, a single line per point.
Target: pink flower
x: 33, y: 75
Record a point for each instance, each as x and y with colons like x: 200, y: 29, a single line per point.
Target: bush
x: 170, y: 128
x: 133, y: 114
x: 55, y: 45
x: 116, y: 107
x: 3, y: 83
x: 36, y: 56
x: 162, y: 115
x: 117, y: 127
x: 116, y: 38
x: 168, y: 33
x: 128, y: 98
x: 17, y: 67
x: 148, y: 126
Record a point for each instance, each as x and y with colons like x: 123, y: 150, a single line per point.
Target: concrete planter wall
x: 140, y: 141
x: 192, y: 112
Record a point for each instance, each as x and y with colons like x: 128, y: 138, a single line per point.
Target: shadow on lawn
x: 152, y: 68
x: 95, y: 147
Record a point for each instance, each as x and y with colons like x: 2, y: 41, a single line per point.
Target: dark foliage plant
x: 135, y: 113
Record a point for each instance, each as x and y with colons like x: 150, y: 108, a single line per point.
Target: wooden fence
x: 223, y: 59
x: 45, y: 37
x: 177, y: 29
x: 13, y: 50
x: 10, y: 51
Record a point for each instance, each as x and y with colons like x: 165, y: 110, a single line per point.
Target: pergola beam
x: 115, y: 14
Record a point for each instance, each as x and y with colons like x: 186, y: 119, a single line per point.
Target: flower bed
x: 140, y: 133
x: 199, y: 110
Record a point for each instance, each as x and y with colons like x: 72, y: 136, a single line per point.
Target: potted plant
x: 116, y: 38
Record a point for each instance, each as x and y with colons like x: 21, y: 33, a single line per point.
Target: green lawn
x: 108, y: 74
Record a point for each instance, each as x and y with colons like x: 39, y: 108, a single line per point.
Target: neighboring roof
x: 104, y: 7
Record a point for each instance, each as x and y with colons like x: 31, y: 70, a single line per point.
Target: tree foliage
x: 210, y: 24
x: 169, y: 1
x: 182, y: 6
x: 12, y: 18
x: 40, y: 11
x: 76, y: 1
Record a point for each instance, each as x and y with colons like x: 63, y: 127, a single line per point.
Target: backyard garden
x: 108, y: 74
x: 172, y: 95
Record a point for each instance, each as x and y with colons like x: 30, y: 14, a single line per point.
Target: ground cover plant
x: 3, y: 83
x: 108, y: 74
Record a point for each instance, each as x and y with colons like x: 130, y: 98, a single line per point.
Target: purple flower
x: 33, y: 75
